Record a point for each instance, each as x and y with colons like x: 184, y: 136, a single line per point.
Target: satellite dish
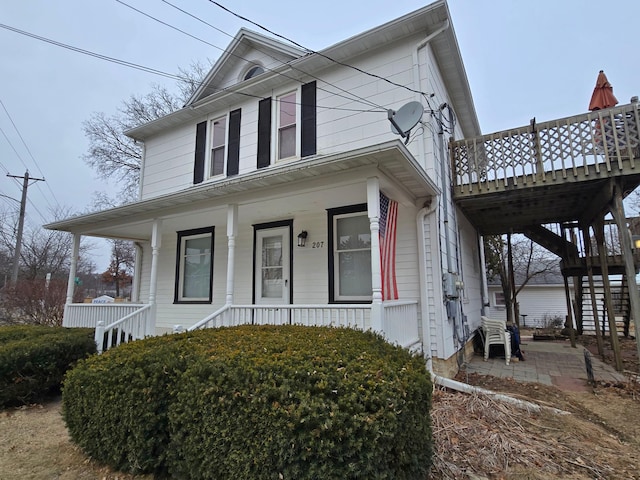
x: 405, y: 119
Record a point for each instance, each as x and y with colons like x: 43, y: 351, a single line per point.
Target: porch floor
x: 553, y: 363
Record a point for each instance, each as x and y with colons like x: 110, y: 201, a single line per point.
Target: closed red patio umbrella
x: 602, y: 96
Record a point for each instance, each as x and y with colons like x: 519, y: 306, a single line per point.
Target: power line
x: 23, y: 205
x: 29, y: 152
x: 315, y: 52
x: 21, y: 160
x: 364, y: 100
x: 142, y: 67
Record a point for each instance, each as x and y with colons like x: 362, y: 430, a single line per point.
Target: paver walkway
x: 550, y: 363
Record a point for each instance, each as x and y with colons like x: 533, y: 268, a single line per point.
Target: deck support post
x: 598, y: 229
x: 373, y: 211
x: 594, y: 302
x: 617, y: 211
x: 514, y: 310
x: 232, y: 232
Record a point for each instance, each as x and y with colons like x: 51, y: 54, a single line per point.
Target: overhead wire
x: 363, y: 100
x: 24, y: 143
x: 308, y: 50
x: 142, y: 67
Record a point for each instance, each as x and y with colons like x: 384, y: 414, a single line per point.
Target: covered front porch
x: 242, y: 215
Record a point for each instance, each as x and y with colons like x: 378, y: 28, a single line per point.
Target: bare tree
x: 530, y: 260
x: 121, y: 265
x: 112, y: 154
x: 37, y: 294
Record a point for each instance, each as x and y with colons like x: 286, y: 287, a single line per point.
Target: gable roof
x: 427, y: 20
x: 234, y: 55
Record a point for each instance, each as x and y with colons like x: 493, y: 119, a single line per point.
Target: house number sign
x: 317, y: 244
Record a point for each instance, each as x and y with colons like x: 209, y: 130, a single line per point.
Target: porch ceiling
x: 134, y: 221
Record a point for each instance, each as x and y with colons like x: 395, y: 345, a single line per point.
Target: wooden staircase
x: 589, y: 312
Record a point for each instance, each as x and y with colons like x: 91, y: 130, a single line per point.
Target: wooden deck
x: 552, y: 172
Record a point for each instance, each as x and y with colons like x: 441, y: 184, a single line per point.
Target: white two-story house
x: 283, y: 193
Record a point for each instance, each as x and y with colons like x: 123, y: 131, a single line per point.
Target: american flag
x: 388, y: 220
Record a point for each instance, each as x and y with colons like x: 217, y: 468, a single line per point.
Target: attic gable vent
x: 253, y: 72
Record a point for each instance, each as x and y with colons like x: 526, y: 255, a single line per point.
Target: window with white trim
x: 351, y: 245
x: 194, y: 266
x: 287, y: 137
x: 218, y: 146
x: 498, y: 299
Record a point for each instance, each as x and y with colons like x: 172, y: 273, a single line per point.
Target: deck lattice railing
x: 598, y: 142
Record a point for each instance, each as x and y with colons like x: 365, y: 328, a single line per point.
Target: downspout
x: 427, y: 210
x: 438, y: 380
x: 422, y: 259
x: 142, y: 165
x: 416, y: 77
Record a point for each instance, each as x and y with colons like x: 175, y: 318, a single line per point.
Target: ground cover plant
x: 255, y: 402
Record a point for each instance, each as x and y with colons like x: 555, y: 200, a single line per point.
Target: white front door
x: 272, y: 269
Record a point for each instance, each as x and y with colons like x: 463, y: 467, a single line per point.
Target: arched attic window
x: 254, y: 71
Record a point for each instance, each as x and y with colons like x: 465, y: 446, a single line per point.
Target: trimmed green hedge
x: 252, y: 402
x: 34, y: 360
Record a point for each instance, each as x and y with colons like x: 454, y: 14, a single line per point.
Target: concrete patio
x: 548, y: 362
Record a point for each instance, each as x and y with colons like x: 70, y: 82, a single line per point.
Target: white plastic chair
x: 496, y: 333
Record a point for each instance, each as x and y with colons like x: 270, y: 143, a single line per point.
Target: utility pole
x: 23, y: 205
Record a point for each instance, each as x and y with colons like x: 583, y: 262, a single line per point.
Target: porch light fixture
x: 302, y: 238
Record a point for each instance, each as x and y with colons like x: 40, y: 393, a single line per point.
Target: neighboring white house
x: 270, y: 197
x: 542, y: 302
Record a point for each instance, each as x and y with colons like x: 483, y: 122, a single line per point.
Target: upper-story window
x: 287, y: 106
x: 295, y: 131
x: 218, y: 142
x: 218, y: 146
x: 253, y: 72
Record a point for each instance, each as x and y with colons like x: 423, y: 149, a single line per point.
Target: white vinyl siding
x: 168, y: 165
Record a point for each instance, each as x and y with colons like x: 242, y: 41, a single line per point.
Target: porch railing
x: 89, y: 314
x: 596, y: 143
x: 133, y: 326
x: 401, y: 323
x: 357, y: 316
x: 400, y: 318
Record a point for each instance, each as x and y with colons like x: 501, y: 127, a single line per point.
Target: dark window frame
x: 179, y: 264
x: 331, y: 214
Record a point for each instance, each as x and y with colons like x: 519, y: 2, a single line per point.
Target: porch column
x: 75, y: 249
x: 627, y: 255
x: 232, y: 232
x: 73, y: 267
x: 156, y: 240
x: 137, y: 267
x: 373, y: 210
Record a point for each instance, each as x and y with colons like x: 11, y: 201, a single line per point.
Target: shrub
x: 34, y: 359
x: 115, y: 404
x: 255, y: 402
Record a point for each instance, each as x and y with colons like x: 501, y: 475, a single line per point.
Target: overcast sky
x: 523, y: 59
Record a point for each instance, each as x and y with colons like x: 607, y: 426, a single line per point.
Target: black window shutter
x: 308, y: 128
x: 201, y: 148
x: 264, y: 133
x: 233, y: 155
